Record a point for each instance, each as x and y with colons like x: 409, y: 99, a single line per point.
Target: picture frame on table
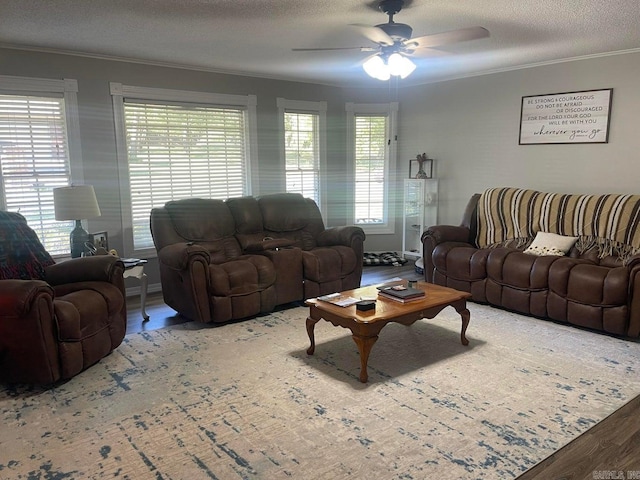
x: 100, y: 239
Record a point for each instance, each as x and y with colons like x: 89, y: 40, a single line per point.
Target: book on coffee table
x: 400, y: 293
x: 397, y: 299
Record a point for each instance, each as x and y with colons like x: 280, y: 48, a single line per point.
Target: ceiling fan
x: 395, y: 45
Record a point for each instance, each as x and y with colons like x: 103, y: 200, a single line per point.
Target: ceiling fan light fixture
x: 376, y: 67
x: 399, y: 65
x: 396, y: 65
x: 394, y: 43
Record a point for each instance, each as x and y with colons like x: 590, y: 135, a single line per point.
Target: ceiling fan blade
x: 362, y: 49
x: 375, y: 34
x: 444, y: 38
x: 429, y: 53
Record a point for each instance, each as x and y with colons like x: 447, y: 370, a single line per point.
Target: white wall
x: 471, y: 127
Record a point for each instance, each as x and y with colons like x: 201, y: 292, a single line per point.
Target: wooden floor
x: 609, y: 450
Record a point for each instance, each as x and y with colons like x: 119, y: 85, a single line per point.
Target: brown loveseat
x: 230, y: 259
x: 595, y: 285
x: 56, y: 319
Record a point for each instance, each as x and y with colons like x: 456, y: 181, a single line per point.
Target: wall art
x: 572, y: 117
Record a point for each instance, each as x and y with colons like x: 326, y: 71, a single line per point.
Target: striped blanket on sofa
x: 513, y: 215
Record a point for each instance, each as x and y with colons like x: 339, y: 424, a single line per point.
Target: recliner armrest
x: 18, y: 295
x: 270, y: 244
x: 344, y: 235
x: 179, y: 255
x: 98, y: 268
x: 447, y: 233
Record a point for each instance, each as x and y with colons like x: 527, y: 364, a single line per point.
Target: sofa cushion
x: 583, y: 282
x: 514, y: 268
x: 248, y: 274
x: 247, y: 215
x: 589, y: 295
x: 547, y: 243
x: 283, y: 212
x: 201, y: 219
x: 104, y: 292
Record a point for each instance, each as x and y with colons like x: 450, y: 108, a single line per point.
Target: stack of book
x: 400, y: 293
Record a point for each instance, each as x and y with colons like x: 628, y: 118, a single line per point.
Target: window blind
x: 302, y: 162
x: 34, y: 159
x: 179, y: 151
x: 370, y: 167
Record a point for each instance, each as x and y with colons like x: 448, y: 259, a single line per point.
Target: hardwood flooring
x: 609, y: 450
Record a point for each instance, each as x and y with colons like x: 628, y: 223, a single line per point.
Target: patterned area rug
x: 245, y: 401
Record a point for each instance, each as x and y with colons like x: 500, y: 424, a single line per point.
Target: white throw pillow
x: 547, y: 243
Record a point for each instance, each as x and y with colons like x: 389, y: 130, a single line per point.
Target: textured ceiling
x: 255, y: 37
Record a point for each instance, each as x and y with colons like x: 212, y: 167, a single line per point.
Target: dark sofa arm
x: 178, y: 256
x: 436, y: 235
x: 98, y: 268
x: 345, y: 235
x: 17, y: 296
x: 633, y: 261
x: 446, y: 233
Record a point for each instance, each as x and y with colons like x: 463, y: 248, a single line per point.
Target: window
x: 303, y: 130
x: 38, y: 136
x: 177, y: 144
x: 371, y: 130
x: 301, y: 153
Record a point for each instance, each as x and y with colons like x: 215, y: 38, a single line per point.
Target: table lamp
x: 76, y: 202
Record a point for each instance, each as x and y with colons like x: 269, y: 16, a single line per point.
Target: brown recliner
x: 204, y: 273
x: 56, y: 319
x: 232, y: 259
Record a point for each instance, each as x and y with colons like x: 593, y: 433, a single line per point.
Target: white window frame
x: 68, y: 89
x: 316, y: 108
x: 391, y: 111
x: 118, y: 94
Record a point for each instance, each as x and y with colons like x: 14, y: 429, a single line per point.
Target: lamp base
x: 79, y: 236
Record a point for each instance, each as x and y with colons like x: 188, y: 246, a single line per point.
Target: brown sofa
x: 56, y: 319
x: 595, y: 285
x: 230, y: 259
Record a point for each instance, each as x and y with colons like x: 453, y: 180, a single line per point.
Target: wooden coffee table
x: 365, y: 326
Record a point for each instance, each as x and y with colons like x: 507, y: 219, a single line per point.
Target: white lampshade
x: 77, y: 202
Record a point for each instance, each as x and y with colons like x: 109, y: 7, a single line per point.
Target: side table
x: 134, y: 267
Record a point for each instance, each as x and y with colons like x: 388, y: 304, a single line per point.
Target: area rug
x: 245, y: 401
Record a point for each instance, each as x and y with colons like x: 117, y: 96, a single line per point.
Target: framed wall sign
x: 572, y: 117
